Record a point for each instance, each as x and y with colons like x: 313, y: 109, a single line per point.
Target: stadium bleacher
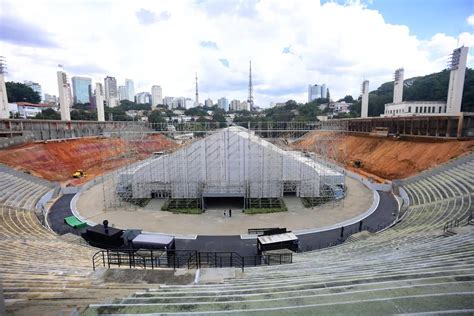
x: 22, y: 190
x: 408, y: 268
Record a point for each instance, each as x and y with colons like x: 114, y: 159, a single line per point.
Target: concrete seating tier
x: 42, y: 274
x: 408, y: 268
x: 30, y: 254
x: 19, y: 189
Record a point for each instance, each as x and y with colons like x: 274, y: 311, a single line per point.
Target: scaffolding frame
x: 204, y: 169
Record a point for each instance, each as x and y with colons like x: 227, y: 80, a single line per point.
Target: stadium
x: 311, y: 233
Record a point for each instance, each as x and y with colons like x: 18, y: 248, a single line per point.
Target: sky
x: 291, y: 43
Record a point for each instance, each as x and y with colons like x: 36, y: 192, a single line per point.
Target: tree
x: 48, y: 114
x: 156, y: 117
x: 82, y: 115
x: 19, y: 92
x: 127, y: 105
x: 196, y: 111
x: 118, y: 114
x: 82, y: 106
x: 347, y: 99
x: 355, y: 108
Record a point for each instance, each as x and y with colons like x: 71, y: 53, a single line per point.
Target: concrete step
x: 432, y: 292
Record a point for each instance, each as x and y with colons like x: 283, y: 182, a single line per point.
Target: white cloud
x: 339, y: 45
x: 470, y: 20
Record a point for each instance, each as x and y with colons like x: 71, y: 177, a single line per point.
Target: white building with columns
x: 452, y: 106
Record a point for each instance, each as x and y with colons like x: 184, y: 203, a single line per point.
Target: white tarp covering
x: 153, y: 241
x: 272, y: 239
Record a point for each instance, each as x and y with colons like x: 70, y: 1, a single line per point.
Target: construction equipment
x: 79, y: 174
x: 357, y: 163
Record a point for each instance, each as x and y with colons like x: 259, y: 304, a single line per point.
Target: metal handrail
x: 139, y: 258
x: 470, y: 218
x: 458, y: 221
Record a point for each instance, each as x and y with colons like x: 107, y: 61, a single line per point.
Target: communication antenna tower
x: 250, y: 99
x: 197, y: 91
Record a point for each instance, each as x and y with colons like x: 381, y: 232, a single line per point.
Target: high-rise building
x: 188, y: 103
x: 65, y: 100
x: 156, y: 96
x: 235, y: 105
x: 317, y: 91
x: 168, y: 102
x: 179, y: 102
x: 129, y: 90
x: 36, y: 87
x: 314, y: 92
x: 143, y: 98
x: 244, y: 106
x: 81, y: 89
x: 208, y: 103
x: 111, y: 93
x: 324, y: 91
x: 223, y: 104
x: 99, y: 102
x: 50, y: 99
x: 122, y: 93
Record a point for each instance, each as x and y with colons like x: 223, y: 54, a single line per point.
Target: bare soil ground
x: 388, y: 158
x: 213, y: 222
x: 56, y: 161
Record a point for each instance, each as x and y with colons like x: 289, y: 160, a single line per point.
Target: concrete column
x: 4, y: 109
x: 460, y: 125
x: 364, y: 111
x: 398, y: 86
x: 456, y: 80
x: 99, y: 102
x: 448, y: 127
x: 64, y: 96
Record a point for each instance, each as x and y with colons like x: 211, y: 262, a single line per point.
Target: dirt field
x: 387, y: 157
x: 213, y: 222
x: 56, y: 161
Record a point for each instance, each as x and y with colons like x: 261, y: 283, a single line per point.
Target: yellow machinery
x: 357, y: 163
x: 79, y: 174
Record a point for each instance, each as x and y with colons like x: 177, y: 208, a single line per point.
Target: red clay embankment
x: 56, y: 161
x: 389, y: 158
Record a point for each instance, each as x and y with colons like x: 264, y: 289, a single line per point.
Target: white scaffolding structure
x: 230, y: 162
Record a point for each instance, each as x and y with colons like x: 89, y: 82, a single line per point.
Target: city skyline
x: 364, y: 40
